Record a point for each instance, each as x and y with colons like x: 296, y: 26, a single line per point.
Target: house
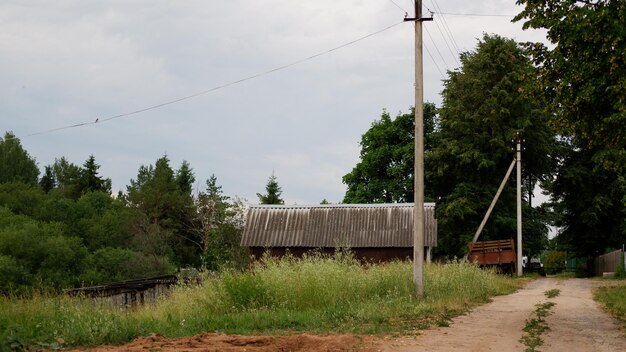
x: 374, y: 232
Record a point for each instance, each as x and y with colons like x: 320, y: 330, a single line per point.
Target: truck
x: 498, y: 253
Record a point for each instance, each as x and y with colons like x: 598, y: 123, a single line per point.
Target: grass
x: 614, y: 300
x: 316, y: 294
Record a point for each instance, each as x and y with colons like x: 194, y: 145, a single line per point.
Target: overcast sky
x: 68, y: 62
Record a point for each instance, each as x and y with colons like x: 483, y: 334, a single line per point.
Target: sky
x: 70, y: 62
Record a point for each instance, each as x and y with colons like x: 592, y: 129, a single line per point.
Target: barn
x: 374, y: 232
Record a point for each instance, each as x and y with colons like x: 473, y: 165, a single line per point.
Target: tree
x: 273, y: 192
x: 185, y: 178
x: 47, y: 181
x: 583, y: 77
x: 385, y: 172
x: 15, y: 163
x: 90, y: 181
x: 486, y: 103
x: 67, y: 177
x: 219, y: 227
x: 165, y: 212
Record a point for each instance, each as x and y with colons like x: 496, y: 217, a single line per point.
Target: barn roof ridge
x: 363, y: 205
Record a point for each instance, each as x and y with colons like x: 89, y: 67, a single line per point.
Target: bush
x: 554, y: 262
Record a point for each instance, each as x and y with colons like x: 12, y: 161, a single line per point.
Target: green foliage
x: 487, y: 102
x: 273, y: 192
x: 15, y: 163
x: 118, y: 264
x: 219, y: 225
x: 554, y: 262
x: 165, y: 212
x: 385, y: 172
x: 318, y: 294
x: 21, y: 198
x: 40, y: 251
x: 583, y: 77
x: 90, y: 181
x: 555, y: 292
x: 536, y: 326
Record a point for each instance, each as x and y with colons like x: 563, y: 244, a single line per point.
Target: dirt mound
x: 211, y: 342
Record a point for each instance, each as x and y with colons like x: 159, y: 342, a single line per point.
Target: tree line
x: 66, y: 229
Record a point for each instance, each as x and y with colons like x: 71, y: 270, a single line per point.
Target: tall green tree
x: 165, y: 211
x: 385, y: 172
x: 273, y: 192
x: 47, y: 181
x: 583, y: 76
x: 219, y: 227
x: 89, y: 180
x: 16, y: 165
x: 67, y: 177
x: 486, y: 104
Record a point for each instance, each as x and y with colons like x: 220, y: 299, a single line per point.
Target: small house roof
x: 336, y: 225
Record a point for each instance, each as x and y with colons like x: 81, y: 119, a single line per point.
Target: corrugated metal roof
x: 333, y: 225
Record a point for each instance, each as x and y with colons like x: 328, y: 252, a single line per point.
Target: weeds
x: 316, y: 293
x: 537, y: 325
x: 552, y: 293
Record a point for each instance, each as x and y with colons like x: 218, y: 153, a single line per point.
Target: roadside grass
x: 614, y: 300
x: 318, y: 294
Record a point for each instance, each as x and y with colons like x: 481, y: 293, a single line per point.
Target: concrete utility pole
x: 418, y: 212
x: 518, y: 158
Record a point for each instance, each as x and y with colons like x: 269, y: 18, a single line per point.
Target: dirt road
x: 577, y: 324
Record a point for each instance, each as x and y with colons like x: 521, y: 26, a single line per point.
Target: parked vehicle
x: 498, y: 253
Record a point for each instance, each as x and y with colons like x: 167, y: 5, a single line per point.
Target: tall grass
x: 316, y: 293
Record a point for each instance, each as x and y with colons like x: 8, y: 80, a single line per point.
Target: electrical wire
x: 400, y: 7
x: 177, y: 100
x: 443, y: 36
x: 446, y: 27
x: 434, y: 62
x: 436, y: 48
x: 474, y: 14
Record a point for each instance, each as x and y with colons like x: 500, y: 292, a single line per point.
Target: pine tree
x: 273, y: 192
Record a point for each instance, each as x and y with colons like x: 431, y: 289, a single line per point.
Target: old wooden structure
x: 374, y: 232
x: 128, y: 293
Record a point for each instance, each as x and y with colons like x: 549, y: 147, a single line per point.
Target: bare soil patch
x: 212, y: 342
x: 577, y: 324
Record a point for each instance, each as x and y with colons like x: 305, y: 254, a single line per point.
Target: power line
x: 437, y: 48
x: 177, y: 100
x: 443, y: 36
x: 400, y: 7
x: 446, y: 27
x: 434, y: 62
x: 474, y: 14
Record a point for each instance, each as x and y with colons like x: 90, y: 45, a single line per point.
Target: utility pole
x: 518, y: 158
x: 418, y: 211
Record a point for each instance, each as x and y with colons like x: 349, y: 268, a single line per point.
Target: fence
x: 606, y: 263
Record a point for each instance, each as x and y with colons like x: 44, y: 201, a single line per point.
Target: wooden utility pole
x: 418, y: 211
x: 518, y: 158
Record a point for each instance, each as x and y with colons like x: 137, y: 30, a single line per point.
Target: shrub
x: 554, y: 262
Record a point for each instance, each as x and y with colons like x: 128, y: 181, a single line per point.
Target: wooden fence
x: 606, y: 262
